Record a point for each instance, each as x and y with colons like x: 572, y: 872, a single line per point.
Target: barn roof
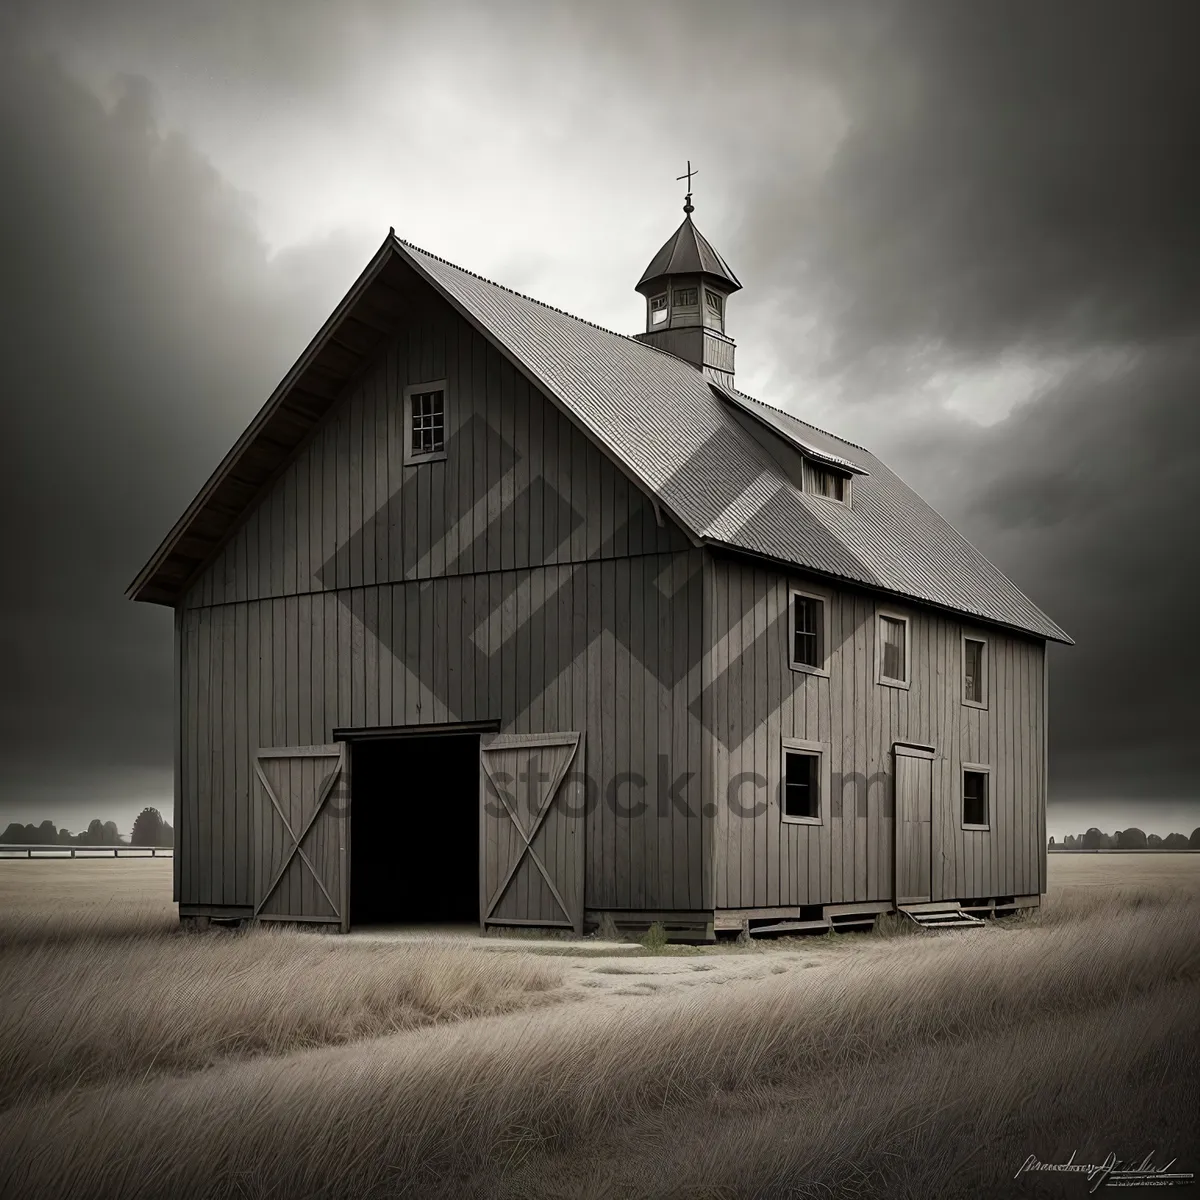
x: 658, y: 417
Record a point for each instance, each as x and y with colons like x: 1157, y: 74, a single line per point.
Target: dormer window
x: 685, y: 297
x: 658, y: 309
x: 821, y: 481
x: 712, y: 300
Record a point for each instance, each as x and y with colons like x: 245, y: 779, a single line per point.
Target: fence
x: 14, y: 850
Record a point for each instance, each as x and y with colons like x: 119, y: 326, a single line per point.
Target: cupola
x: 686, y: 287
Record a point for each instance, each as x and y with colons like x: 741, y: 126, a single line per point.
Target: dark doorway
x: 414, y: 830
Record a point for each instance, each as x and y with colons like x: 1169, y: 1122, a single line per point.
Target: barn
x: 494, y: 615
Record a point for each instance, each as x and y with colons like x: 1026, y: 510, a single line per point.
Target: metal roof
x: 688, y: 252
x: 657, y: 416
x: 786, y: 426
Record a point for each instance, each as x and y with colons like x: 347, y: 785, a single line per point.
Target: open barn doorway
x: 414, y: 833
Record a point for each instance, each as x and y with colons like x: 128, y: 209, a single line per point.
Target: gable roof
x: 655, y: 415
x: 688, y: 252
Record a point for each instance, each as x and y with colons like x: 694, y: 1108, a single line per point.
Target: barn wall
x: 762, y: 861
x: 522, y: 580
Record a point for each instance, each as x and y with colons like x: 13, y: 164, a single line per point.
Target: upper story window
x: 974, y: 672
x: 425, y: 422
x: 658, y: 309
x: 893, y: 650
x: 810, y: 633
x: 685, y: 297
x: 712, y: 300
x: 821, y: 481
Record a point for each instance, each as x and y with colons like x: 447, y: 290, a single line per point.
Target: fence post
x: 72, y: 851
x: 114, y: 853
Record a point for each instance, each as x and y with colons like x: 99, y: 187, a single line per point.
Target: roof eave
x: 1042, y: 634
x: 143, y: 588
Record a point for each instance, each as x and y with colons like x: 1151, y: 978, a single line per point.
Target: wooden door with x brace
x: 301, y: 835
x: 531, y: 830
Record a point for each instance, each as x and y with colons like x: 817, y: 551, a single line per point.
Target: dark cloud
x: 1016, y: 173
x: 1089, y: 499
x: 142, y: 325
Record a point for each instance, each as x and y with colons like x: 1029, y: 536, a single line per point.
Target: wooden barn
x: 494, y: 615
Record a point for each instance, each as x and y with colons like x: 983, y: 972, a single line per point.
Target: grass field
x: 136, y: 1061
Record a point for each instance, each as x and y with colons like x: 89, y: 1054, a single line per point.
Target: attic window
x: 425, y: 422
x: 658, y: 309
x: 712, y: 300
x: 821, y: 481
x: 685, y: 297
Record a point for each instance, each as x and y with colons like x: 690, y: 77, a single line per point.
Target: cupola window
x: 658, y: 310
x: 712, y: 300
x: 685, y: 297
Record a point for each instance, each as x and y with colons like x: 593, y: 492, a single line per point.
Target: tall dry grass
x: 80, y: 1012
x: 900, y: 1047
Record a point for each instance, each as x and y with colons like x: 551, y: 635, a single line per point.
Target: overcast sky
x: 967, y: 234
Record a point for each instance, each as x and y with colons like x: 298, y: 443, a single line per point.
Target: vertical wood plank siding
x: 522, y: 579
x: 761, y: 860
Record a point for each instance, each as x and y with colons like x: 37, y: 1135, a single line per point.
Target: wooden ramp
x: 939, y: 914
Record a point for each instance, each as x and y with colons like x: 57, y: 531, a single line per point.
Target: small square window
x: 801, y: 785
x: 808, y: 632
x: 893, y: 650
x: 425, y: 422
x: 820, y: 481
x: 975, y: 798
x: 685, y: 297
x: 974, y: 671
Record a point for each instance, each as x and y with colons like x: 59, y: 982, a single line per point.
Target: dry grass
x: 928, y: 1071
x: 82, y: 1013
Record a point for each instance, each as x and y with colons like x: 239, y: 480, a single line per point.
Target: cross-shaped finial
x: 687, y: 203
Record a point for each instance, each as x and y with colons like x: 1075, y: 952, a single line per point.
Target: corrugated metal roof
x: 687, y: 252
x: 786, y: 427
x: 659, y: 417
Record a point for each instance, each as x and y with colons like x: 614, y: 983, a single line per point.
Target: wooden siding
x: 523, y: 580
x: 759, y: 860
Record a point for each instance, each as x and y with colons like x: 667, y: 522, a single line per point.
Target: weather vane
x: 687, y: 200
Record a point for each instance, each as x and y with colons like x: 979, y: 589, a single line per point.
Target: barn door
x: 531, y: 843
x: 301, y: 832
x: 914, y: 830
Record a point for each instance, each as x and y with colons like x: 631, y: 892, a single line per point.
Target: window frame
x: 664, y: 308
x: 813, y: 468
x: 795, y: 590
x: 712, y: 300
x: 413, y: 458
x: 985, y: 770
x: 983, y: 671
x: 683, y: 290
x: 818, y: 750
x: 880, y: 678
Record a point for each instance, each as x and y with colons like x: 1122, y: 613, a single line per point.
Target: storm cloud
x: 967, y: 237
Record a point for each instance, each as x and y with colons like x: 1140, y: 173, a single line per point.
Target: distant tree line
x: 149, y: 829
x: 1127, y: 839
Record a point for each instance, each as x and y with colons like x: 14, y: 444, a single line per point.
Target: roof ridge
x: 562, y: 312
x: 801, y: 421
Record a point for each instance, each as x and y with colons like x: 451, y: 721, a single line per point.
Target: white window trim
x: 412, y: 459
x: 974, y: 637
x: 823, y: 669
x: 880, y: 677
x: 821, y: 750
x: 982, y: 769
